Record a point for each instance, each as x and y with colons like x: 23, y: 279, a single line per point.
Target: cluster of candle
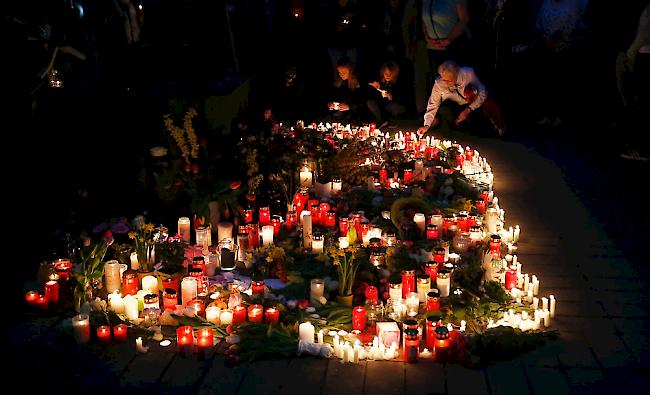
x: 82, y: 333
x: 188, y: 339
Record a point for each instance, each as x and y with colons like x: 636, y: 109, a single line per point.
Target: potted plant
x: 89, y: 277
x: 170, y: 252
x: 142, y: 235
x: 346, y: 263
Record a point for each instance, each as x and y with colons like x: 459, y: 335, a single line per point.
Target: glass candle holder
x: 255, y: 313
x: 120, y: 333
x: 511, y: 278
x: 443, y: 282
x: 151, y: 301
x: 408, y: 282
x: 431, y: 268
x: 433, y: 321
x: 264, y: 216
x: 203, y: 237
x: 424, y: 286
x: 432, y: 232
x: 376, y: 258
x: 395, y: 290
x: 412, y: 304
x: 344, y: 224
x: 238, y: 314
x: 130, y: 282
x: 359, y: 318
x: 170, y: 299
x: 104, y: 335
x: 317, y: 243
x: 276, y: 222
x: 433, y: 301
x: 495, y: 245
x: 198, y: 262
x: 317, y: 290
x: 272, y: 315
x: 411, y: 345
x: 439, y: 256
x: 227, y: 252
x: 81, y: 328
x: 185, y: 339
x: 330, y: 219
x: 204, y: 342
x: 292, y: 220
x: 201, y: 281
x: 257, y: 286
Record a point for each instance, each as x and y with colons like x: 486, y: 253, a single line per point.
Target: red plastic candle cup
x: 185, y: 339
x: 472, y: 220
x: 344, y: 224
x: 257, y: 287
x: 432, y: 232
x: 411, y: 345
x: 170, y: 283
x: 480, y: 206
x: 198, y: 262
x: 292, y: 219
x: 469, y: 153
x: 365, y: 228
x: 276, y: 222
x: 248, y: 216
x: 371, y: 293
x: 199, y: 307
x: 120, y: 333
x: 383, y: 176
x: 323, y: 208
x: 272, y: 315
x: 359, y: 318
x: 238, y: 314
x: 439, y: 256
x: 314, y: 211
x: 297, y: 202
x: 431, y: 268
x: 52, y: 291
x: 432, y: 323
x: 170, y: 299
x: 253, y: 235
x: 447, y: 221
x: 265, y: 216
x: 442, y: 344
x: 255, y: 313
x: 495, y: 245
x: 408, y: 176
x: 31, y: 297
x: 463, y: 222
x: 204, y: 342
x: 408, y: 282
x: 104, y: 335
x: 511, y: 278
x: 41, y: 303
x: 63, y: 267
x: 130, y: 282
x: 330, y: 219
x: 433, y: 301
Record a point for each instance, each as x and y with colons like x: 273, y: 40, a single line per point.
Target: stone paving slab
x: 508, y: 378
x: 461, y: 380
x: 266, y: 377
x: 385, y: 378
x: 335, y: 370
x: 221, y: 379
x: 145, y: 371
x: 311, y: 378
x: 425, y: 379
x: 588, y: 381
x: 547, y: 380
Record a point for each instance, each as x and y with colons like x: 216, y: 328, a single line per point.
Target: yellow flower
x: 148, y: 227
x: 269, y: 259
x: 131, y: 235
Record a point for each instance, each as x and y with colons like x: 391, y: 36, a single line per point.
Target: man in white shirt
x: 461, y: 85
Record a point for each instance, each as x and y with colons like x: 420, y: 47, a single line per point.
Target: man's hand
x: 343, y: 107
x: 463, y: 116
x: 422, y: 130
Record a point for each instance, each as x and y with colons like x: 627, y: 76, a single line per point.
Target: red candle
x: 447, y: 221
x: 200, y: 280
x: 372, y: 128
x: 485, y: 195
x: 439, y: 256
x: 292, y: 219
x: 511, y: 278
x: 297, y: 202
x: 276, y: 222
x: 463, y: 222
x: 343, y: 226
x: 304, y: 198
x: 104, y: 335
x: 365, y: 228
x: 408, y: 282
x: 272, y: 315
x: 255, y: 313
x: 432, y: 323
x: 265, y: 216
x: 63, y: 267
x: 52, y: 291
x: 428, y: 152
x: 120, y: 332
x: 257, y: 287
x: 460, y: 158
x: 199, y: 307
x: 41, y: 302
x: 480, y: 206
x: 411, y: 345
x: 323, y: 208
x: 170, y: 283
x: 31, y: 297
x: 433, y: 301
x: 408, y: 146
x: 198, y: 262
x: 432, y: 232
x: 495, y: 245
x: 130, y: 282
x: 359, y: 318
x: 356, y: 221
x: 238, y: 314
x: 383, y: 175
x: 330, y: 219
x: 472, y: 220
x: 170, y: 299
x: 469, y: 153
x: 408, y: 176
x: 253, y: 235
x: 314, y: 211
x: 248, y: 216
x: 185, y: 339
x: 431, y: 268
x: 204, y: 341
x: 371, y: 293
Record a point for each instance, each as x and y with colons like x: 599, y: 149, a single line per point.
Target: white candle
x: 225, y: 317
x: 491, y: 217
x: 203, y: 236
x: 112, y: 276
x: 267, y: 235
x: 419, y: 220
x: 184, y: 229
x: 320, y: 337
x: 515, y: 261
x: 81, y: 328
x: 116, y: 302
x: 189, y: 289
x: 535, y: 285
x: 135, y: 264
x: 131, y: 307
x: 139, y: 346
x: 336, y: 186
x: 515, y: 235
x: 344, y: 242
x: 547, y: 318
x: 529, y: 296
x: 317, y: 244
x: 317, y: 289
x: 150, y: 284
x: 535, y: 304
x: 306, y: 229
x: 544, y: 303
x: 224, y: 231
x: 412, y: 304
x: 305, y: 177
x: 526, y: 282
x: 212, y: 314
x: 443, y: 283
x: 552, y: 305
x: 306, y: 332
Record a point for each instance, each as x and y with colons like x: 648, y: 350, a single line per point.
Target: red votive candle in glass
x: 120, y: 333
x: 199, y: 307
x: 292, y: 219
x: 41, y: 303
x: 297, y: 202
x: 365, y: 228
x: 204, y: 341
x: 480, y: 205
x: 447, y: 221
x: 185, y: 339
x: 323, y: 208
x: 130, y: 282
x: 469, y: 153
x: 238, y: 314
x: 52, y: 291
x: 433, y: 322
x: 495, y: 245
x: 170, y: 299
x: 31, y: 297
x: 432, y: 232
x: 272, y: 315
x: 411, y: 345
x: 408, y: 176
x: 198, y: 262
x: 344, y: 224
x: 314, y: 211
x: 170, y: 283
x: 371, y: 293
x: 431, y: 268
x: 511, y: 278
x: 248, y: 216
x: 463, y: 222
x: 433, y: 301
x: 255, y: 313
x: 472, y: 220
x: 330, y: 219
x: 198, y: 274
x: 276, y: 222
x: 359, y: 318
x: 63, y: 267
x: 408, y: 282
x: 442, y: 344
x: 104, y: 335
x: 257, y: 287
x: 439, y: 256
x: 265, y: 216
x: 383, y: 176
x: 253, y: 235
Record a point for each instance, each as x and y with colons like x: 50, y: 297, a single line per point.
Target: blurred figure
x: 461, y: 86
x: 347, y: 96
x: 287, y: 98
x: 391, y: 96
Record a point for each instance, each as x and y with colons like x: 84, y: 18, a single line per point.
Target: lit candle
x: 212, y: 314
x: 306, y: 229
x: 305, y: 177
x: 131, y: 307
x: 104, y: 335
x: 225, y: 317
x: 81, y: 328
x: 317, y: 243
x: 130, y: 282
x: 116, y: 302
x: 185, y: 339
x: 395, y: 290
x: 170, y: 299
x: 511, y: 278
x: 317, y: 290
x: 424, y: 286
x: 31, y: 297
x: 238, y: 314
x: 204, y: 341
x: 408, y: 282
x: 52, y: 291
x: 184, y: 229
x: 188, y: 289
x: 443, y: 282
x: 412, y: 304
x: 112, y: 276
x: 552, y: 305
x: 120, y: 332
x: 359, y: 318
x: 433, y: 301
x: 320, y: 336
x: 272, y: 315
x: 267, y: 235
x: 419, y: 220
x: 135, y: 264
x: 432, y: 232
x: 491, y: 217
x: 343, y: 243
x: 224, y: 231
x: 150, y: 284
x: 255, y: 313
x: 306, y: 332
x: 199, y: 307
x: 203, y: 236
x: 264, y: 216
x: 515, y: 236
x: 336, y: 186
x: 139, y: 345
x: 257, y: 287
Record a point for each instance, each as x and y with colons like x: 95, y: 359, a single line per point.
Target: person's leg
x: 374, y: 108
x: 395, y: 109
x: 492, y: 111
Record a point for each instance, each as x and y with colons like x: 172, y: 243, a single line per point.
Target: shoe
x: 633, y: 155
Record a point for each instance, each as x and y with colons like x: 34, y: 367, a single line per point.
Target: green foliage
x: 503, y: 343
x: 260, y: 341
